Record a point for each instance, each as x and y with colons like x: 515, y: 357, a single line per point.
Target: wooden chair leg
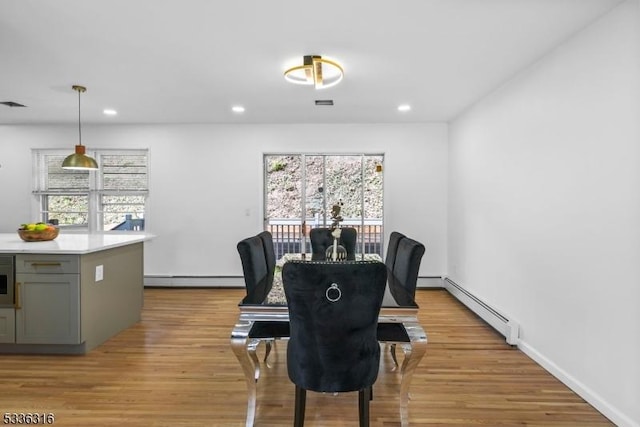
x: 301, y: 400
x: 364, y: 396
x: 393, y: 354
x: 268, y: 345
x: 360, y: 406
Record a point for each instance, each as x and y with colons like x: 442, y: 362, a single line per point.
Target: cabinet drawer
x: 49, y: 264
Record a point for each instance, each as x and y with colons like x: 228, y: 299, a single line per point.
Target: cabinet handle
x: 18, y: 304
x: 46, y: 264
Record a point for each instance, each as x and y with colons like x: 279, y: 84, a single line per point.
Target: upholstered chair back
x: 270, y: 257
x: 392, y: 248
x: 255, y: 270
x: 407, y: 264
x: 333, y: 317
x: 321, y: 238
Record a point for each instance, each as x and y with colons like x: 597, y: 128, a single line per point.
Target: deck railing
x: 287, y: 235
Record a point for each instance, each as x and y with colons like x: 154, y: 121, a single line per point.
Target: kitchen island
x: 73, y: 293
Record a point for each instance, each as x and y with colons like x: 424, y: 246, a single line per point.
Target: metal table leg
x: 413, y: 353
x: 245, y: 351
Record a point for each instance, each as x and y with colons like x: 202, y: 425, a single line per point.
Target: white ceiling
x: 189, y: 61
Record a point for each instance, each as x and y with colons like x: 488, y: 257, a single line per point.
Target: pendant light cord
x: 79, y: 126
x: 79, y: 160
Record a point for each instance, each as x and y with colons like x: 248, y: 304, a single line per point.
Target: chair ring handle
x: 334, y: 289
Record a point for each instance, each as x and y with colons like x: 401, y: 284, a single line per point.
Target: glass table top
x: 396, y: 296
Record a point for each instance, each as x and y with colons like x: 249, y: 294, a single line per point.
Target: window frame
x: 94, y: 192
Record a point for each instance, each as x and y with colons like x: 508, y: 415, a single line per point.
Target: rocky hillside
x: 344, y: 180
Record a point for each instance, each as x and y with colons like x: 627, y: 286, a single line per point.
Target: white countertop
x: 70, y: 243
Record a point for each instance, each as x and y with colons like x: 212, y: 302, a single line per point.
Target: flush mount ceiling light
x: 317, y: 71
x: 79, y: 160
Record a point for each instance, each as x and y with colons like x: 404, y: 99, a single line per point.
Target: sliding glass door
x: 312, y: 184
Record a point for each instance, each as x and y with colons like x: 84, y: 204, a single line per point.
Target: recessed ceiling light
x: 237, y: 109
x: 404, y: 108
x: 109, y: 112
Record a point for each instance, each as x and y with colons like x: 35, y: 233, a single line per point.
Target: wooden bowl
x: 38, y: 236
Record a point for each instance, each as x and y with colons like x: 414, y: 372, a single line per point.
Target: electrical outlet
x: 99, y: 273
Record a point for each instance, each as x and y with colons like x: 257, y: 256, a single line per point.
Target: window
x: 112, y: 198
x: 300, y: 190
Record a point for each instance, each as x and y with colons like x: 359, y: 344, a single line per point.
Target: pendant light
x: 79, y: 160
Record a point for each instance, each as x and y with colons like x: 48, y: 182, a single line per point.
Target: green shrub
x: 278, y: 165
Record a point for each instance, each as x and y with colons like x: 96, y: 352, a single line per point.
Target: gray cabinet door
x: 48, y: 308
x: 7, y: 325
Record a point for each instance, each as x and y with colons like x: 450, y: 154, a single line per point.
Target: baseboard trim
x: 194, y: 281
x: 430, y: 282
x: 510, y: 329
x: 591, y: 397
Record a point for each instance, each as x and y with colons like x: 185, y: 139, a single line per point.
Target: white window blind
x: 62, y: 180
x: 123, y: 172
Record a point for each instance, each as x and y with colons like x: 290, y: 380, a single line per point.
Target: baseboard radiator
x: 500, y: 322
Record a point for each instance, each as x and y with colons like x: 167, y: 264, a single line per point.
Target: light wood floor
x: 176, y: 368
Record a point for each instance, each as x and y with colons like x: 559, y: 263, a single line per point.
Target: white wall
x: 204, y: 178
x: 544, y: 209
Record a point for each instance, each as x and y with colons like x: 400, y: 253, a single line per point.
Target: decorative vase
x: 340, y: 253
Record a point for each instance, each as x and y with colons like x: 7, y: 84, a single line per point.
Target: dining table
x: 398, y: 325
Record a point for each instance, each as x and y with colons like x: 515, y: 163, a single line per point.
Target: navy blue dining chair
x: 333, y: 318
x: 392, y: 248
x: 258, y: 266
x: 403, y: 279
x: 321, y: 238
